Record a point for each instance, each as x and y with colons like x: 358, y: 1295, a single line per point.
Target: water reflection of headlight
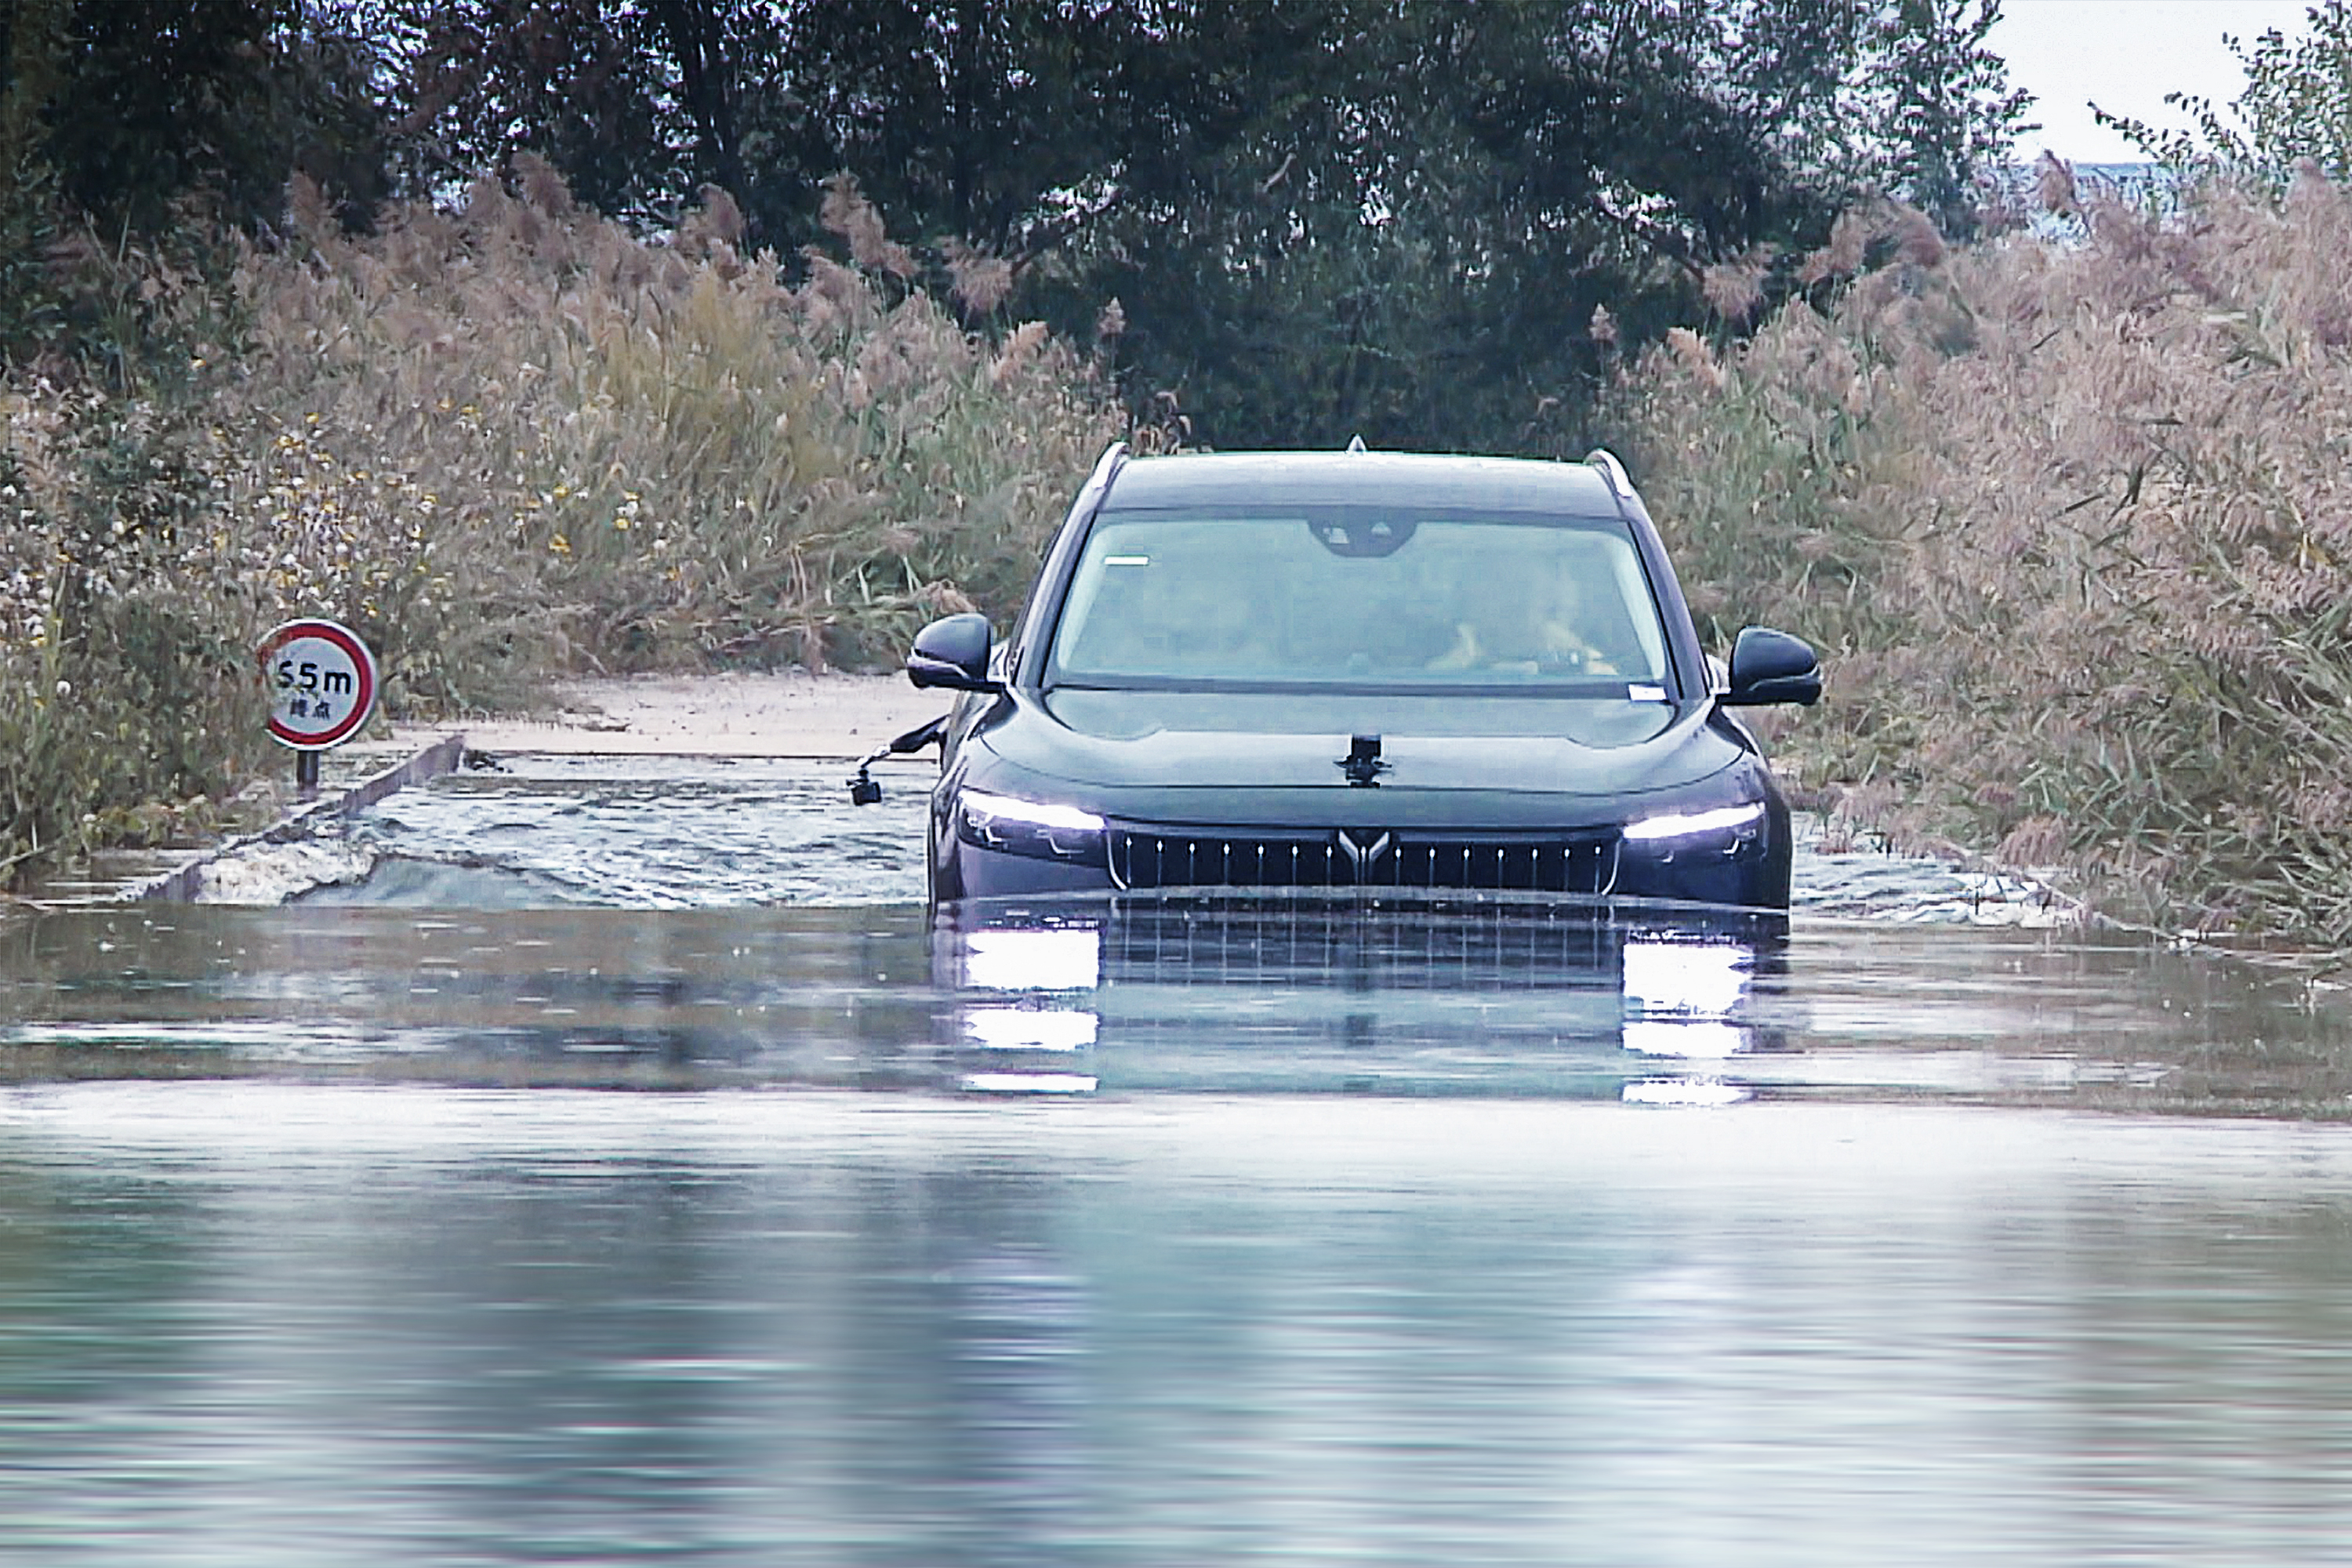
x: 1686, y: 979
x: 1030, y: 1028
x: 1685, y: 998
x: 1027, y: 1083
x: 1063, y: 958
x: 1699, y: 1092
x: 1685, y: 1038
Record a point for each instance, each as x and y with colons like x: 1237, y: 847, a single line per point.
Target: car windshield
x: 1389, y: 598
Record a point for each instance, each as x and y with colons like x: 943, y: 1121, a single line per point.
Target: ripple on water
x: 1339, y: 1233
x: 687, y: 833
x: 314, y: 1324
x: 636, y: 833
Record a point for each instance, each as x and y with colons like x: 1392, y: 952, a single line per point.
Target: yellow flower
x: 560, y: 544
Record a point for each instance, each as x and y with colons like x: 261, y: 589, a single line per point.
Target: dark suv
x: 1357, y: 671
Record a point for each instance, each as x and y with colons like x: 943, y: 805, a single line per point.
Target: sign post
x: 322, y: 685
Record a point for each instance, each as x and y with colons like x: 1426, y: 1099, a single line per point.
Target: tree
x: 143, y: 102
x: 1393, y: 217
x: 130, y: 124
x: 1944, y: 110
x: 583, y: 83
x: 1408, y: 234
x: 2297, y: 104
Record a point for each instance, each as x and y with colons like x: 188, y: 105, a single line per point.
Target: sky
x: 2125, y: 56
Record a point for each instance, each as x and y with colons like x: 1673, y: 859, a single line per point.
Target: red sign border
x: 342, y: 636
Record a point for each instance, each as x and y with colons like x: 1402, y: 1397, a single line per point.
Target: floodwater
x: 601, y: 1163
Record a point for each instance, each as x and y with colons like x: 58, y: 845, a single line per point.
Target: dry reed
x: 2075, y: 526
x: 502, y: 442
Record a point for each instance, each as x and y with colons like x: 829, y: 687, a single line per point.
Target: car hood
x: 1185, y: 755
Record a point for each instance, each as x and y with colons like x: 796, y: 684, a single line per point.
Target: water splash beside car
x: 682, y: 833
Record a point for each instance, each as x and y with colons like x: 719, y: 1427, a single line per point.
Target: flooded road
x: 592, y: 1175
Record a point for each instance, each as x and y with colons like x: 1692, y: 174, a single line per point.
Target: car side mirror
x: 1772, y: 667
x: 953, y: 653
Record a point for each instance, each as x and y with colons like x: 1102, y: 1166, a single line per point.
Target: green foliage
x: 2296, y: 107
x: 586, y: 85
x: 1946, y: 116
x: 130, y: 131
x: 979, y: 119
x: 35, y: 52
x: 1320, y: 217
x: 125, y: 678
x: 1406, y: 228
x: 143, y: 104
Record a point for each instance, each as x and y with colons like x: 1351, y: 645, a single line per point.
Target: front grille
x: 1219, y: 939
x: 1579, y: 863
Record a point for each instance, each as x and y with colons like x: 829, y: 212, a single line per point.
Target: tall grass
x: 2074, y: 526
x: 518, y: 437
x: 127, y: 703
x: 502, y: 442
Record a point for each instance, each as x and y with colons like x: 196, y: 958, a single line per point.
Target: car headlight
x: 1044, y: 830
x: 1726, y: 828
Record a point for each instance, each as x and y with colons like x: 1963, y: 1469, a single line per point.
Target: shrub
x: 502, y: 443
x: 126, y: 680
x: 2072, y: 525
x: 516, y: 437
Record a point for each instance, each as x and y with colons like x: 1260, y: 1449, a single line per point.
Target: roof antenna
x: 1355, y: 443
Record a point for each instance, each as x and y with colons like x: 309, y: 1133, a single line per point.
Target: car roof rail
x: 1612, y: 472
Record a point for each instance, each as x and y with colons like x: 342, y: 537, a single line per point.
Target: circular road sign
x: 321, y: 683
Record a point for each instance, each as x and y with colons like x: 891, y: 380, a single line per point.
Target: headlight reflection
x: 1477, y: 995
x: 1033, y: 975
x: 1701, y: 1093
x: 1030, y: 1028
x: 1027, y: 1083
x: 1695, y: 1039
x: 1044, y: 958
x: 1687, y: 1000
x: 1686, y: 978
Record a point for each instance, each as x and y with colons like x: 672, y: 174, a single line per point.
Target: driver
x: 1532, y: 622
